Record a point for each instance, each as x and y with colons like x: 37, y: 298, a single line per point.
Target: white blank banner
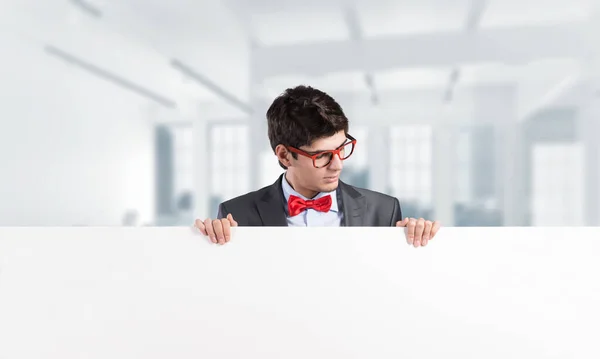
x: 276, y: 293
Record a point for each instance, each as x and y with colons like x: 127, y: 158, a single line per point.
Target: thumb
x: 231, y: 220
x: 402, y: 223
x: 200, y: 226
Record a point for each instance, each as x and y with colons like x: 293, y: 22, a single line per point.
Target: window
x: 557, y: 185
x: 183, y: 160
x: 174, y: 168
x: 229, y: 162
x: 462, y: 182
x: 410, y: 170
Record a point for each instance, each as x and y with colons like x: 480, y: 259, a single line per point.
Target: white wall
x: 89, y: 140
x: 74, y: 148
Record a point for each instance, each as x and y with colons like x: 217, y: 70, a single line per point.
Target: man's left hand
x: 420, y: 231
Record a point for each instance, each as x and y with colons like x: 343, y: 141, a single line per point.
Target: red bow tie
x: 297, y: 205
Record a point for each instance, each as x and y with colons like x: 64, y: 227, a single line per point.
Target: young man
x: 309, y: 135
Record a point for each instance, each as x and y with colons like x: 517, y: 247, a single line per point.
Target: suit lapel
x: 271, y: 206
x: 353, y: 204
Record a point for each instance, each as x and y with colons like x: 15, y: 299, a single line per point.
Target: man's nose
x: 336, y: 162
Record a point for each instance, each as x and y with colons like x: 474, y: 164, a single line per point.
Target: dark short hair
x: 301, y: 115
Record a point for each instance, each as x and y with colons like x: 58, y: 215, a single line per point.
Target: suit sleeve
x: 396, y: 213
x: 222, y: 212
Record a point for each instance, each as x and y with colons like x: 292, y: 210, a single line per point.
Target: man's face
x: 323, y: 179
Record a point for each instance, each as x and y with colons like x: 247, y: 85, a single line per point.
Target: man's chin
x: 330, y: 186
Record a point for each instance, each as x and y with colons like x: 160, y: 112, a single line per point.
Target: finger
x: 419, y: 232
x: 412, y: 223
x: 218, y: 227
x: 231, y: 220
x: 210, y: 230
x: 226, y: 229
x: 435, y: 228
x: 201, y: 227
x: 427, y: 233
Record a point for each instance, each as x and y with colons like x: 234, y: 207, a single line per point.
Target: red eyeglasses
x: 324, y: 158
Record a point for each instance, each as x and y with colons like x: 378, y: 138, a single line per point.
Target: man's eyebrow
x: 318, y: 151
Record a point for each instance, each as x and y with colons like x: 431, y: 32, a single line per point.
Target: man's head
x: 303, y: 122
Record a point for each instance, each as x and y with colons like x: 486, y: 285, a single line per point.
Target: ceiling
x: 213, y: 37
x: 287, y: 23
x: 284, y: 22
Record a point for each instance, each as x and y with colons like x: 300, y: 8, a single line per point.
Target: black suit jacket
x: 267, y: 207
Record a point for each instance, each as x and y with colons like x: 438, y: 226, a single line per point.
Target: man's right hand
x: 218, y: 230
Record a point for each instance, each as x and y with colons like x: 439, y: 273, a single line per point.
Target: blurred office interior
x: 131, y: 112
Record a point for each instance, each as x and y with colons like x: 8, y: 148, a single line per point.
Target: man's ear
x: 283, y: 155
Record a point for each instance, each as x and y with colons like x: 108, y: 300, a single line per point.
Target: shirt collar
x: 288, y: 190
